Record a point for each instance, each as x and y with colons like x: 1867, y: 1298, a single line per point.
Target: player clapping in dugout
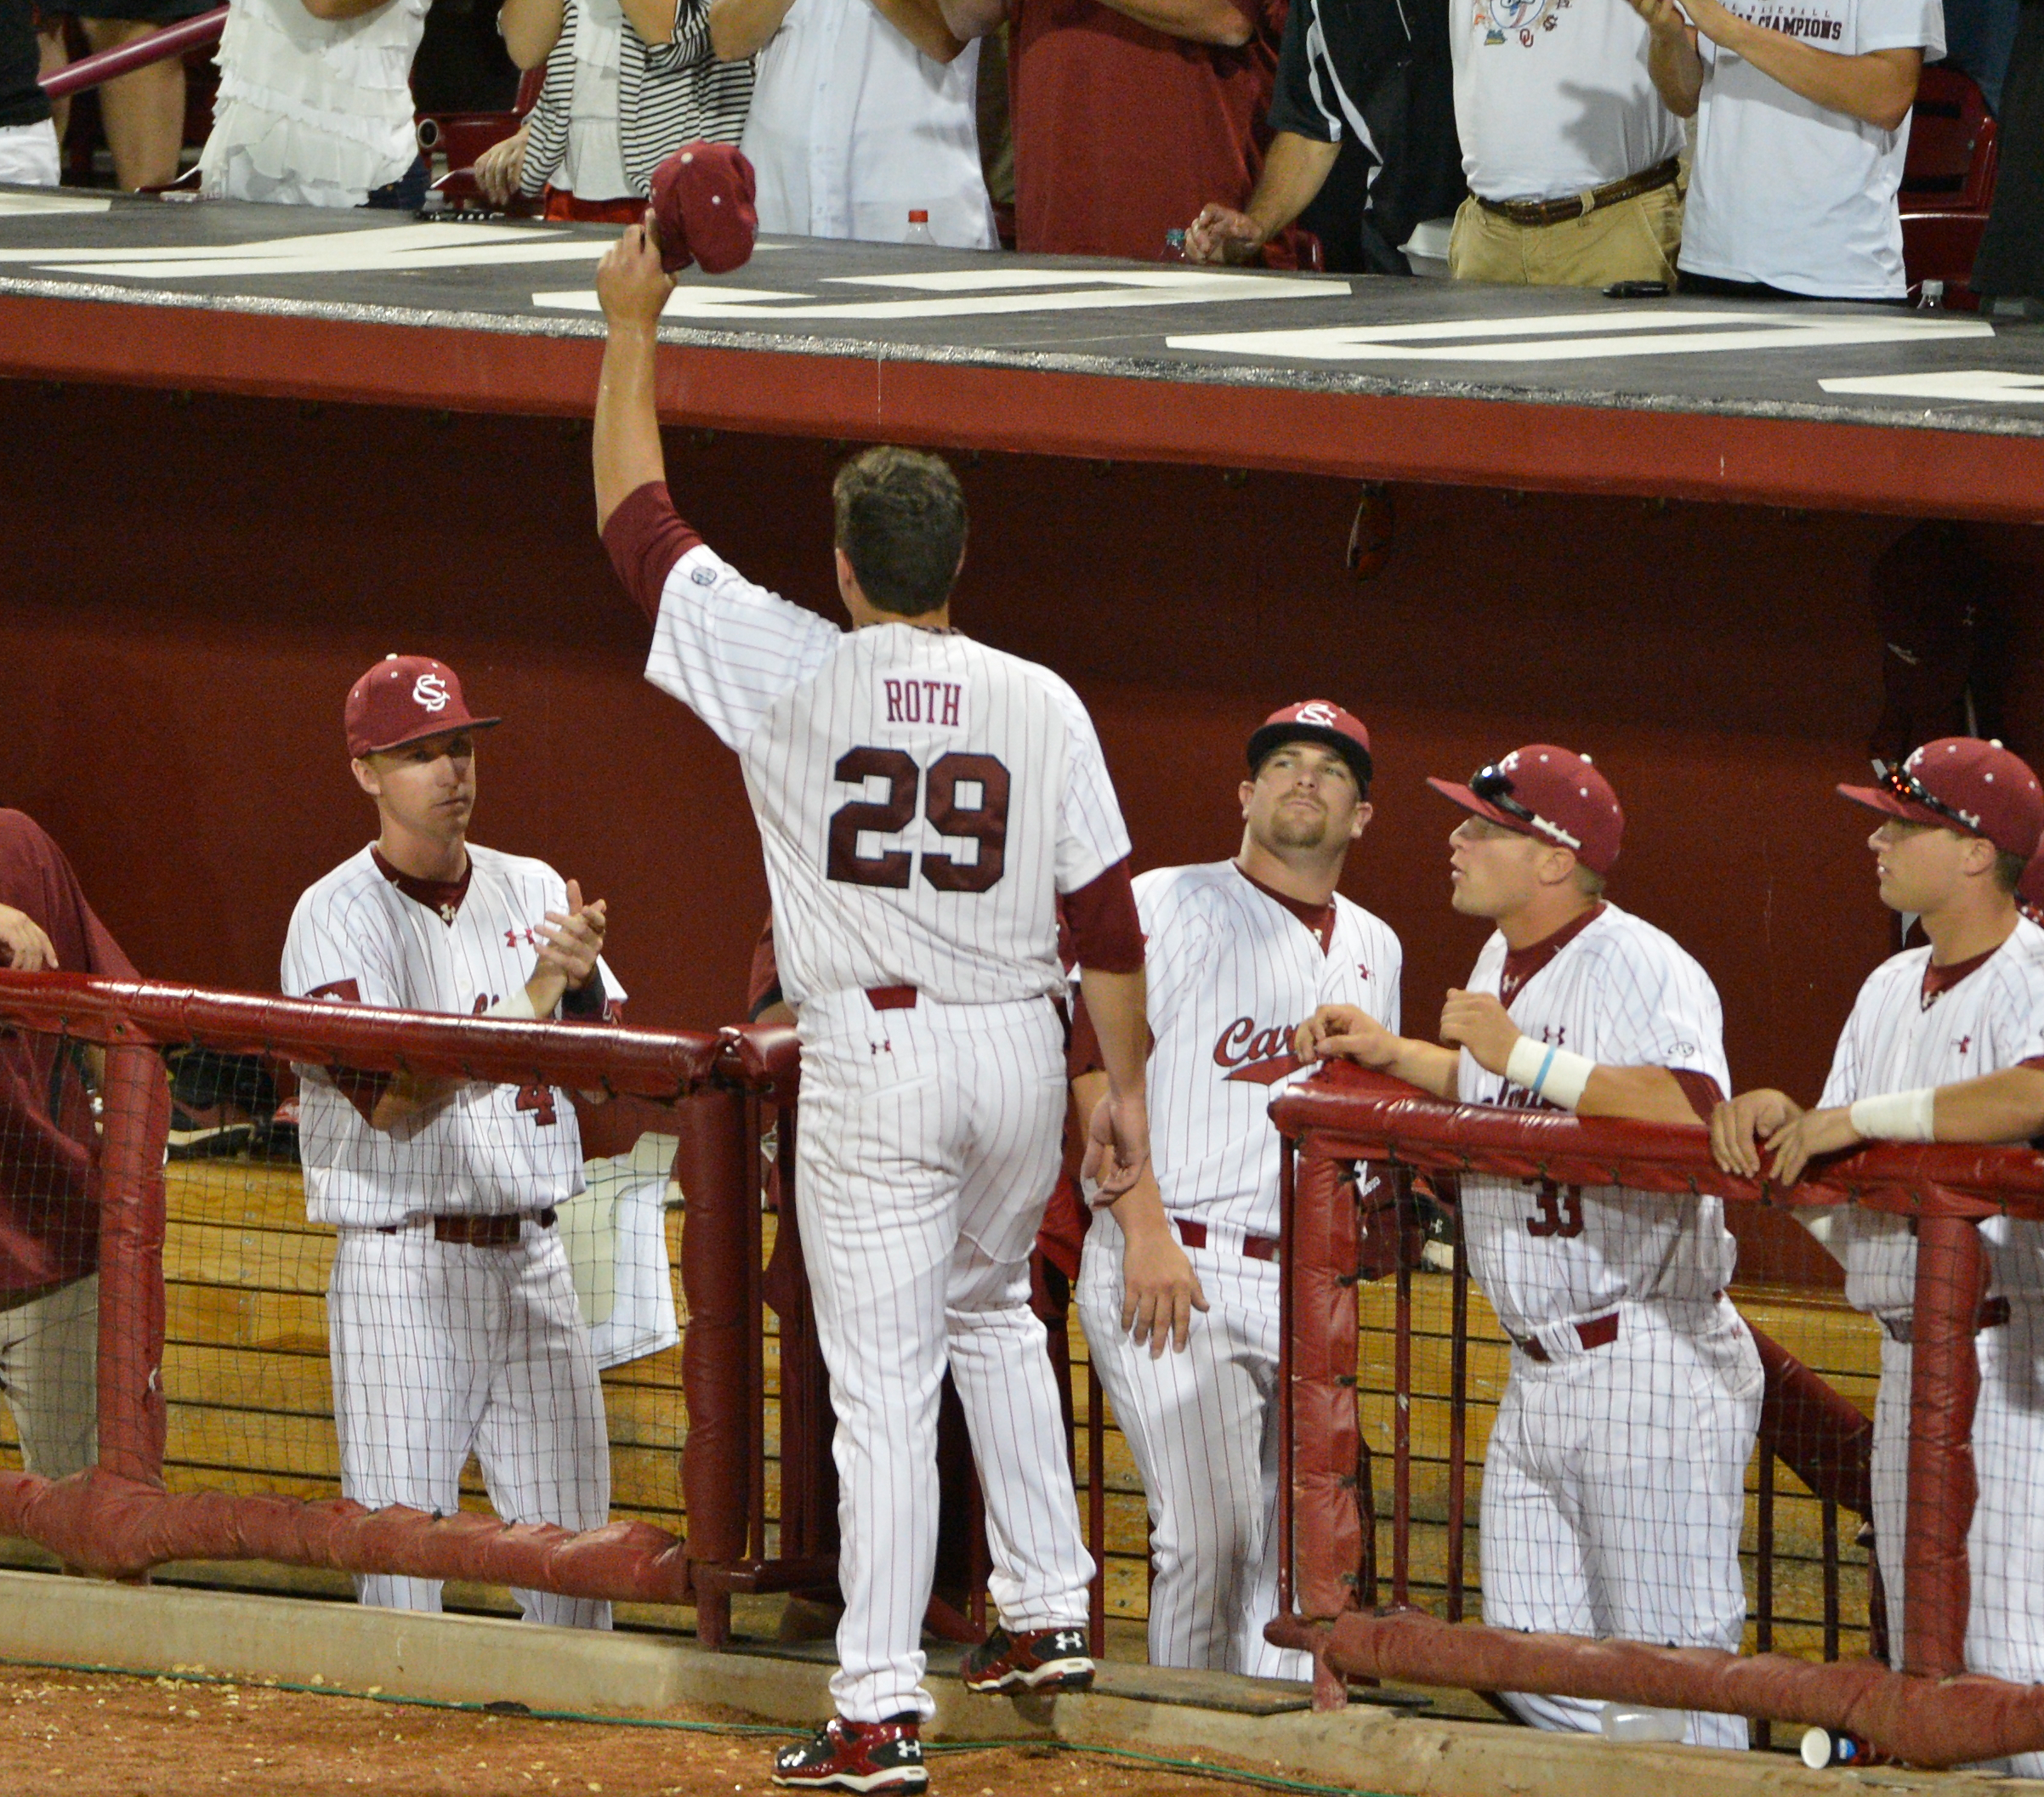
x: 1237, y: 951
x: 451, y: 1309
x: 1945, y: 1043
x: 1613, y: 1488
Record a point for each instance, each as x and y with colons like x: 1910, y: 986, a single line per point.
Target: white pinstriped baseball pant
x: 2005, y: 1542
x: 928, y: 1144
x: 1203, y: 1426
x: 439, y: 1348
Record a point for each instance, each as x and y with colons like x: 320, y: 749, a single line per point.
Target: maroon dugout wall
x: 189, y: 588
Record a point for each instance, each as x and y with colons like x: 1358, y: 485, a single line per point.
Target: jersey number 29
x: 945, y: 792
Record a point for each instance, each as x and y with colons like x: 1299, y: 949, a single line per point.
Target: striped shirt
x: 668, y: 95
x: 1626, y: 995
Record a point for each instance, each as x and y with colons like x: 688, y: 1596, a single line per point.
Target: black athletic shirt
x: 21, y: 100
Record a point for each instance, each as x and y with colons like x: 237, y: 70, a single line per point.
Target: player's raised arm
x: 631, y: 287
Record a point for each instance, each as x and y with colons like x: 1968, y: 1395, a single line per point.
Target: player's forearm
x: 1295, y: 169
x: 1203, y: 21
x: 1878, y: 87
x: 627, y: 452
x: 1427, y: 1065
x: 923, y: 24
x: 1644, y: 1094
x: 1116, y: 1003
x: 407, y: 1098
x: 1677, y: 71
x: 1140, y: 1210
x: 2008, y: 1106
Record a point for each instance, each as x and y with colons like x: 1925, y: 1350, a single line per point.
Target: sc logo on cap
x: 429, y: 693
x: 1317, y: 713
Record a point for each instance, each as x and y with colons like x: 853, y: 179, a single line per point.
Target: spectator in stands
x: 316, y: 105
x: 144, y: 112
x: 1130, y: 115
x: 625, y: 86
x: 1800, y: 135
x: 863, y: 113
x: 1570, y: 153
x: 50, y: 1222
x: 1363, y: 83
x: 28, y: 141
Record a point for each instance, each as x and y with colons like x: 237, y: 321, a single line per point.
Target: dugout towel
x: 702, y: 207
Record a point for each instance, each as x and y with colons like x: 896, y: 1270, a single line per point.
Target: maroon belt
x: 1254, y: 1247
x: 1993, y: 1313
x: 1598, y: 1332
x: 891, y: 998
x: 480, y: 1231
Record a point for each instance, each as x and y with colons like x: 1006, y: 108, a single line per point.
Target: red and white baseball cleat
x: 1042, y: 1659
x: 856, y: 1756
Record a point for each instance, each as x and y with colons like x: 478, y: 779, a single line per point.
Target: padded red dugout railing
x: 117, y: 1520
x: 1931, y: 1714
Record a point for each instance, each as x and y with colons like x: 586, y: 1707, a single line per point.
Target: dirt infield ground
x: 68, y: 1733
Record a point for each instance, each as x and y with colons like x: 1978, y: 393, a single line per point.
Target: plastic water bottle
x: 919, y: 229
x: 1174, y: 245
x: 1636, y: 1723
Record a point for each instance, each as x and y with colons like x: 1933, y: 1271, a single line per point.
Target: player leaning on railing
x: 1613, y: 1491
x: 1945, y: 1044
x: 450, y: 1310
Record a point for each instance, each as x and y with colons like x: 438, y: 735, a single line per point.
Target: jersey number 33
x: 962, y: 797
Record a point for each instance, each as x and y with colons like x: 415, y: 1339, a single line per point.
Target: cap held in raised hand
x: 702, y: 209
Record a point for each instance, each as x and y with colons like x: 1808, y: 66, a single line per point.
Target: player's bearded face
x: 1490, y: 868
x: 428, y: 786
x: 1304, y: 797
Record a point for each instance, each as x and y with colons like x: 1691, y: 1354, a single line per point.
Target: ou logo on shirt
x: 429, y: 693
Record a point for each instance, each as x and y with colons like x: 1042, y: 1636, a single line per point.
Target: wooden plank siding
x: 251, y: 1398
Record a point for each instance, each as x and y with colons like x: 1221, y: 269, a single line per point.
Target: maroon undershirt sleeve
x: 645, y: 537
x: 1106, y: 934
x: 1699, y: 1089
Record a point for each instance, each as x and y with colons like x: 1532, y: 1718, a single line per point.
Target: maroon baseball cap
x: 403, y: 698
x: 1316, y: 720
x: 1962, y: 782
x: 1541, y: 790
x: 702, y: 208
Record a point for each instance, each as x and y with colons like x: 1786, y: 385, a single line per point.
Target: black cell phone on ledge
x: 1637, y: 290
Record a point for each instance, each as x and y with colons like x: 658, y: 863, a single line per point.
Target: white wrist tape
x: 515, y: 1009
x: 1549, y: 1073
x: 1898, y: 1116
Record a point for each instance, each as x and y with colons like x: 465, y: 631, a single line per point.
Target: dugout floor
x: 1946, y: 409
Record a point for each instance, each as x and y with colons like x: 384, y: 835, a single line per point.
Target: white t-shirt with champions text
x: 1552, y: 98
x: 1788, y: 192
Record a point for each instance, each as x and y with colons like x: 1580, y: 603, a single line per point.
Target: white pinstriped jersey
x: 1893, y: 1042
x: 1626, y: 995
x: 356, y: 938
x: 1231, y: 974
x: 918, y: 793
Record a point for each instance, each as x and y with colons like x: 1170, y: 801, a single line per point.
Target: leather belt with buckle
x: 1598, y: 1332
x: 1993, y: 1313
x: 891, y: 998
x: 1254, y: 1247
x: 1558, y: 211
x: 480, y: 1231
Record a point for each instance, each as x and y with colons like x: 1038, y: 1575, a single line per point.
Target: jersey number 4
x: 963, y: 797
x: 1558, y: 1210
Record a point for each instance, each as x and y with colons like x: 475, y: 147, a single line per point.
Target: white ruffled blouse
x: 312, y: 113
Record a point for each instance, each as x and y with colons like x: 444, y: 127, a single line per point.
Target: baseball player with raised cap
x: 922, y: 801
x: 1240, y: 952
x: 451, y: 1309
x: 1945, y: 1043
x: 1613, y: 1488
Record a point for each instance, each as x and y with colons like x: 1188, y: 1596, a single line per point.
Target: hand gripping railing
x: 1931, y: 1714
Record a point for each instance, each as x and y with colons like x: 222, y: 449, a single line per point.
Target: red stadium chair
x: 1948, y: 183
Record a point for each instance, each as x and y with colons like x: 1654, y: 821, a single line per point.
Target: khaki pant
x: 1635, y: 239
x: 49, y: 1372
